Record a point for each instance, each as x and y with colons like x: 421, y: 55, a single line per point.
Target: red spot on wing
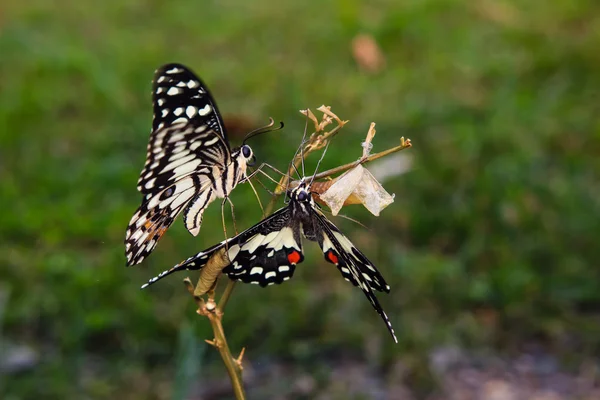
x: 332, y: 257
x: 293, y: 257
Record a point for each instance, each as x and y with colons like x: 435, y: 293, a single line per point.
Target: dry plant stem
x: 225, y: 296
x: 405, y: 144
x: 214, y: 314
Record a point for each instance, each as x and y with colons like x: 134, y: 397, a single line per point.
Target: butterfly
x: 268, y: 252
x: 189, y: 162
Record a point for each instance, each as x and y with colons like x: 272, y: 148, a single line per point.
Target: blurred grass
x: 492, y: 240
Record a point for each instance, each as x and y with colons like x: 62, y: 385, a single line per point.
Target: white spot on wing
x: 233, y: 251
x: 190, y: 111
x: 174, y: 70
x: 205, y: 111
x: 150, y: 183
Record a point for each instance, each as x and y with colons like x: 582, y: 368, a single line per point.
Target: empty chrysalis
x: 356, y: 186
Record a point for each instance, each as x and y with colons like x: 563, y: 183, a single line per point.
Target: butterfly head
x: 301, y: 192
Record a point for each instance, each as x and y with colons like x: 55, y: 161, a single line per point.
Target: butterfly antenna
x: 293, y: 165
x: 319, y: 163
x: 263, y: 129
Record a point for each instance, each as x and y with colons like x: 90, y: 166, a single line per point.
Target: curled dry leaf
x: 312, y: 117
x: 356, y: 186
x: 326, y: 110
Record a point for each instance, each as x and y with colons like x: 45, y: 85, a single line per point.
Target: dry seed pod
x: 356, y: 186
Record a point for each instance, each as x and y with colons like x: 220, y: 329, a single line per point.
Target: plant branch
x: 214, y: 314
x: 404, y: 144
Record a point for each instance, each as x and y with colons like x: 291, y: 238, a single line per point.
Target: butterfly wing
x: 188, y: 133
x: 180, y: 150
x: 187, y: 147
x: 157, y: 212
x: 269, y: 254
x: 264, y: 254
x: 178, y: 95
x: 353, y: 264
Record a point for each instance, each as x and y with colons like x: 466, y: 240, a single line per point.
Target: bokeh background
x: 491, y: 247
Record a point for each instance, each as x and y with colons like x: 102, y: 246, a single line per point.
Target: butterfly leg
x: 223, y: 219
x: 257, y: 198
x: 260, y: 169
x: 223, y: 223
x: 232, y: 216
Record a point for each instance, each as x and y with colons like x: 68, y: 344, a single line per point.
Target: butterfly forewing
x: 180, y: 150
x: 178, y: 95
x: 270, y: 255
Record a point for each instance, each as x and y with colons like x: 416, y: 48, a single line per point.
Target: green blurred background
x: 491, y: 247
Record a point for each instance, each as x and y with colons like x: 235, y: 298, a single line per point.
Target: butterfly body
x: 189, y: 162
x: 268, y: 252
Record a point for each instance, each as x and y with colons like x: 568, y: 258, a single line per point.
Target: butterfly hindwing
x: 332, y: 254
x: 340, y: 251
x: 158, y: 211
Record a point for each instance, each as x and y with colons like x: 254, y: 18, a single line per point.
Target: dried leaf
x: 312, y: 117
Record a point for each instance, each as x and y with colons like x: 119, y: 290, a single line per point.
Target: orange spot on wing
x: 332, y: 257
x: 293, y: 257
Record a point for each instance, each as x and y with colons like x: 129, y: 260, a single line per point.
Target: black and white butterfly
x: 268, y: 252
x: 189, y: 162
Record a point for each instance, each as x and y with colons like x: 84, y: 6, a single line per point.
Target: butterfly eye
x: 251, y: 161
x: 246, y: 151
x: 302, y: 196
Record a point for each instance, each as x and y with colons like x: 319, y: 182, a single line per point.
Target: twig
x: 214, y: 313
x: 404, y: 144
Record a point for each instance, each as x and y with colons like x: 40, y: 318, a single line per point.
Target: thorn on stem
x: 238, y: 360
x: 189, y: 285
